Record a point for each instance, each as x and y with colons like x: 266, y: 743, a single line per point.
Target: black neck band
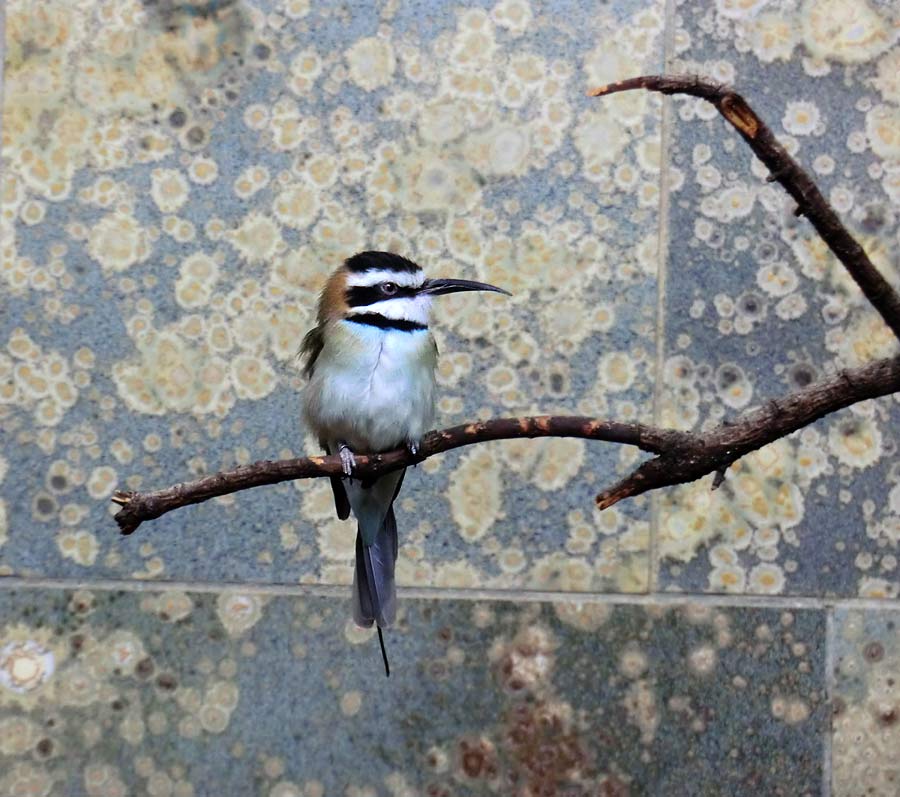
x: 383, y: 322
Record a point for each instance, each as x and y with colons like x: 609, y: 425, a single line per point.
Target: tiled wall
x: 178, y: 178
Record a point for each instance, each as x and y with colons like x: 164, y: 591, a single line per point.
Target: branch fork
x: 679, y: 457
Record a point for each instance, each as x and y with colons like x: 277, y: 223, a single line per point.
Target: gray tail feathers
x: 374, y: 591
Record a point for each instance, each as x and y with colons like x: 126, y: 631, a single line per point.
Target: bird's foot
x: 348, y: 460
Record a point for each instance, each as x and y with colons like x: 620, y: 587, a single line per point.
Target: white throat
x: 406, y: 308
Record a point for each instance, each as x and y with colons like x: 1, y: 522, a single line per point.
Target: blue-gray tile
x: 178, y: 179
x: 756, y: 306
x: 866, y: 723
x: 173, y: 693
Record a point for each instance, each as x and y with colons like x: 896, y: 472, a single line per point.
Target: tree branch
x: 681, y: 457
x: 785, y: 170
x: 716, y: 450
x: 138, y: 507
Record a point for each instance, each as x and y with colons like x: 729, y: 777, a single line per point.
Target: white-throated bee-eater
x: 371, y: 365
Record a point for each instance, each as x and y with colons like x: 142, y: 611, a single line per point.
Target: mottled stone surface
x: 866, y: 722
x: 756, y: 305
x: 179, y: 178
x: 172, y: 693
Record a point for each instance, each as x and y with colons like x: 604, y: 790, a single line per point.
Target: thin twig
x: 784, y: 169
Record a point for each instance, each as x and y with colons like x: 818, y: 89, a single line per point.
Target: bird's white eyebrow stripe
x: 368, y: 278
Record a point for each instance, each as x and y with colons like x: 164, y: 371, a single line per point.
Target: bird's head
x: 382, y: 284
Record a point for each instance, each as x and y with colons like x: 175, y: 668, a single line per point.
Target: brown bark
x: 138, y: 507
x: 681, y: 456
x: 716, y: 450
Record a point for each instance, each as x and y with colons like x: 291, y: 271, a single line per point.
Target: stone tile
x: 866, y: 703
x: 112, y: 693
x: 178, y: 179
x: 756, y: 306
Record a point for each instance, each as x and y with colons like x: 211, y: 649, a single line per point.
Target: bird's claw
x: 348, y: 460
x: 413, y: 447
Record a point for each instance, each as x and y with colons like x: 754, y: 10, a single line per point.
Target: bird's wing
x: 399, y: 485
x: 311, y: 348
x: 341, y: 502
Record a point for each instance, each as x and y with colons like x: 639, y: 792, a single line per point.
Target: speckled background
x: 180, y: 178
x: 177, y: 180
x: 756, y: 305
x: 532, y: 698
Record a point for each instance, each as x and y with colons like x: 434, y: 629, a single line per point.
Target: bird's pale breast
x: 372, y: 388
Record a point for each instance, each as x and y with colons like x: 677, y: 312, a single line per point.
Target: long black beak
x: 437, y: 287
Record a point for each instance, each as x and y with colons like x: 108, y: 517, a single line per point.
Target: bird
x: 370, y: 364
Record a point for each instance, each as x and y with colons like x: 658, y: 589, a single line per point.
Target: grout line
x: 665, y: 140
x: 439, y: 593
x: 137, y: 585
x: 829, y: 703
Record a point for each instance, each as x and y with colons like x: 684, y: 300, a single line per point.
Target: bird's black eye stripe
x: 361, y: 295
